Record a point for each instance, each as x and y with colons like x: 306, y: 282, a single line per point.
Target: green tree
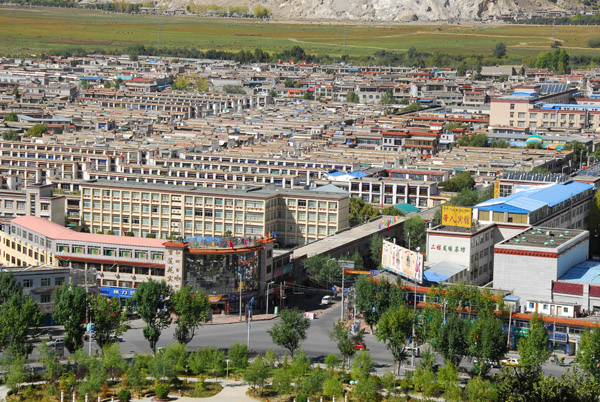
x: 12, y: 116
x: 394, y: 328
x: 499, y: 50
x: 367, y: 301
x: 580, y: 152
x: 181, y: 83
x: 588, y: 353
x: 290, y: 331
x: 162, y: 367
x: 448, y: 378
x: 352, y: 97
x: 37, y: 130
x: 308, y: 96
x: 451, y: 340
x: 260, y: 11
x: 151, y: 303
x: 11, y: 135
x: 323, y: 270
x: 108, y: 317
x: 462, y: 181
x: 257, y: 373
x: 388, y: 97
x: 533, y: 348
x: 415, y: 228
x: 234, y: 89
x: 15, y: 371
x: 488, y: 342
x: 191, y: 310
x: 112, y: 362
x: 208, y: 360
x: 282, y: 378
x: 239, y: 355
x: 345, y: 340
x: 19, y: 323
x: 366, y: 390
x: 331, y: 361
x: 49, y: 359
x: 332, y: 386
x: 90, y: 372
x: 360, y: 212
x: 8, y: 286
x: 362, y: 365
x: 480, y: 390
x: 375, y: 248
x: 391, y: 211
x: 202, y: 84
x: 300, y: 367
x: 136, y: 371
x: 70, y: 311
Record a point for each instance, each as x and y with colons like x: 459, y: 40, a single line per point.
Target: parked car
x: 359, y: 345
x: 511, y: 361
x: 327, y: 300
x: 56, y: 342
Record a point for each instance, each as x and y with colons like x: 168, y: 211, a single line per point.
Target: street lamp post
x: 227, y: 374
x: 414, y: 343
x: 267, y: 304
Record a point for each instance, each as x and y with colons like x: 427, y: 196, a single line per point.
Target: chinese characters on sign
x: 454, y: 249
x: 456, y: 216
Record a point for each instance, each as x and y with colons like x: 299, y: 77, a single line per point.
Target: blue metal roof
x: 558, y: 106
x: 358, y: 173
x: 586, y: 272
x: 535, y: 198
x: 442, y: 271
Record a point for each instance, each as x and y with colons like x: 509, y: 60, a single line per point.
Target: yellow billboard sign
x: 496, y: 188
x: 456, y: 216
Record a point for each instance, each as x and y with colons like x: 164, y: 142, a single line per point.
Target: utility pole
x: 241, y: 285
x: 509, y: 323
x: 342, y: 312
x: 267, y: 304
x: 87, y: 314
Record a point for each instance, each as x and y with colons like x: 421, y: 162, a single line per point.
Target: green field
x: 38, y: 30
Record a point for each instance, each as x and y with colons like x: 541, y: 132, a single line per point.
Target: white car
x: 327, y: 300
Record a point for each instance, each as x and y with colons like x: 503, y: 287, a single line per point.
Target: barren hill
x: 386, y: 10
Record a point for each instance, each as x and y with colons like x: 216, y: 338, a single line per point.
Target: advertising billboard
x: 456, y: 216
x: 401, y: 261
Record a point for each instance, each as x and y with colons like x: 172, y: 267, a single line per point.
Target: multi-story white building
x: 470, y: 251
x: 296, y: 216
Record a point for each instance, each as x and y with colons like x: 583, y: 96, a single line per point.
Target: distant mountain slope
x: 388, y: 10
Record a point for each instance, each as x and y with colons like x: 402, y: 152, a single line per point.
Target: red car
x: 359, y: 345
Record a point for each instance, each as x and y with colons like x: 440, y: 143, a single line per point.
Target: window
x: 565, y: 309
x: 27, y: 283
x: 301, y: 203
x: 8, y: 204
x: 45, y: 281
x: 46, y: 298
x: 20, y: 204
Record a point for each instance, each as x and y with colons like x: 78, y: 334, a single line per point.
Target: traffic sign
x: 375, y: 272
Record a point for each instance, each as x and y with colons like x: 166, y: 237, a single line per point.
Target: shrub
x: 124, y: 395
x: 594, y: 42
x: 162, y: 391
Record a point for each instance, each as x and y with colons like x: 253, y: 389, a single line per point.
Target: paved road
x: 317, y: 345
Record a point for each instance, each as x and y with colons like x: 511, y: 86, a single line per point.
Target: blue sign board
x: 123, y: 293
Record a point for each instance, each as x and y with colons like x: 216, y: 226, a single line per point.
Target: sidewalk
x: 232, y: 319
x: 233, y: 391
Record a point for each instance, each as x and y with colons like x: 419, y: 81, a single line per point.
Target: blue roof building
x: 552, y: 205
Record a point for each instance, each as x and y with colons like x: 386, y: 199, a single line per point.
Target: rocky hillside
x: 385, y: 10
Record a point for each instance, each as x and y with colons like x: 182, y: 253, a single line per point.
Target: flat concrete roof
x: 339, y: 240
x: 538, y: 237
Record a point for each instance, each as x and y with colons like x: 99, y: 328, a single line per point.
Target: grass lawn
x: 41, y: 29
